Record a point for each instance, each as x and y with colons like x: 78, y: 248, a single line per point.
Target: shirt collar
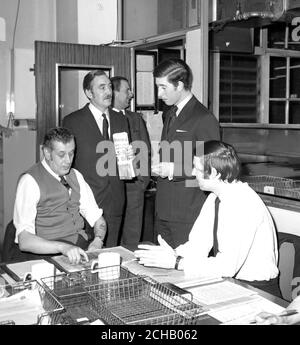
x: 181, y: 104
x: 119, y: 111
x: 98, y: 113
x: 50, y: 171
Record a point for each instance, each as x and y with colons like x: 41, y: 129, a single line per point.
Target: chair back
x: 289, y: 264
x: 11, y: 251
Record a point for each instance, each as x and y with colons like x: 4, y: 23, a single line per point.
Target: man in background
x: 51, y: 201
x: 135, y: 189
x: 186, y: 122
x: 93, y: 124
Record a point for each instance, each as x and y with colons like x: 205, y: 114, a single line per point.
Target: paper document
x: 219, y: 292
x: 161, y: 275
x: 125, y: 164
x: 63, y: 263
x: 191, y: 282
x: 23, y: 308
x: 245, y: 312
x: 37, y: 268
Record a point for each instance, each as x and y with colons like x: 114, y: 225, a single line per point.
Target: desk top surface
x: 160, y: 275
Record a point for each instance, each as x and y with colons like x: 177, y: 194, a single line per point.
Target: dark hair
x: 116, y: 82
x: 87, y: 81
x: 223, y: 158
x: 176, y: 70
x: 59, y: 134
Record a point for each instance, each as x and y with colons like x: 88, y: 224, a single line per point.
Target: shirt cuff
x: 171, y: 171
x: 92, y: 218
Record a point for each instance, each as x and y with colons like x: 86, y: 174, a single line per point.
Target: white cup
x: 108, y: 265
x: 38, y: 271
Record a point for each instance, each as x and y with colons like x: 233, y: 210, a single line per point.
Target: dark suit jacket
x: 174, y: 200
x: 138, y: 132
x: 108, y: 190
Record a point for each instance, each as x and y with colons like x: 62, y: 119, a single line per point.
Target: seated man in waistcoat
x: 51, y: 201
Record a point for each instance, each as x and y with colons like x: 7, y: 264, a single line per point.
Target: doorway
x: 49, y: 55
x: 69, y: 89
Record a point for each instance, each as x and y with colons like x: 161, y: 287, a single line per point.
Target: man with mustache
x: 51, y: 201
x: 94, y: 125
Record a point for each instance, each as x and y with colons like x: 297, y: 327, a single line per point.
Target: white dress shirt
x: 99, y: 118
x: 246, y: 238
x: 181, y: 104
x: 28, y: 195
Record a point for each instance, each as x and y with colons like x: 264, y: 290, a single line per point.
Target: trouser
x: 112, y: 238
x: 133, y: 218
x: 174, y: 233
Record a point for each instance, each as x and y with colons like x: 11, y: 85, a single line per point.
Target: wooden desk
x: 165, y: 275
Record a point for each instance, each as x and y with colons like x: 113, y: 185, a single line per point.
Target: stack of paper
x: 231, y: 303
x: 243, y: 313
x: 221, y: 292
x: 22, y: 308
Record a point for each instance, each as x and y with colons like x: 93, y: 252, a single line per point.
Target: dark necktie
x: 64, y: 182
x: 105, y: 127
x: 172, y: 116
x: 216, y: 246
x: 128, y: 124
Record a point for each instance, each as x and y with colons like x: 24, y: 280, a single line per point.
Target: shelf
x: 237, y: 105
x: 238, y: 93
x: 238, y: 81
x: 241, y: 69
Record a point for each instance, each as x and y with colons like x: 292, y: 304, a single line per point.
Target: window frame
x: 264, y: 55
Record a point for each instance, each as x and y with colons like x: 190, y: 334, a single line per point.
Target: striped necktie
x: 64, y: 182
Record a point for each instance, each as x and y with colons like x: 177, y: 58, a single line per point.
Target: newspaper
x: 125, y: 164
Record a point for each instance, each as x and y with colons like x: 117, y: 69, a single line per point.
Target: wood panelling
x: 48, y: 54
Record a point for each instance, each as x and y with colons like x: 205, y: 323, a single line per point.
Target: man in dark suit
x: 94, y: 125
x: 135, y: 189
x: 178, y: 203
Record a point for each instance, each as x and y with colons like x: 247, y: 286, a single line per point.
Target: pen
x: 287, y: 312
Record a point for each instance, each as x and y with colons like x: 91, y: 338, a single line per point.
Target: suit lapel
x: 181, y: 118
x: 90, y: 120
x: 114, y: 123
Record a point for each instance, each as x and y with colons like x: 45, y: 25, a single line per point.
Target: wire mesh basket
x: 274, y: 185
x: 143, y: 301
x: 27, y: 303
x: 73, y: 283
x: 69, y: 289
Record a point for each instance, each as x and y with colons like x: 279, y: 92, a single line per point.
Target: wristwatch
x: 178, y: 258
